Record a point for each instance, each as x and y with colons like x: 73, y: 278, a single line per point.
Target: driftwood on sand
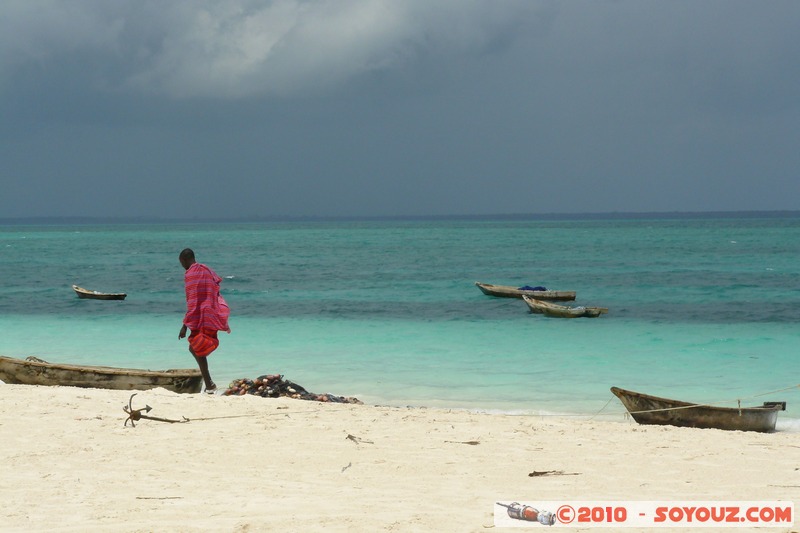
x: 274, y: 386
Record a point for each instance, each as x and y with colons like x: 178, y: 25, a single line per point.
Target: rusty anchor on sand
x: 136, y: 414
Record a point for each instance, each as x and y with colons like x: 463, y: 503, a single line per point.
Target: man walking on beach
x: 206, y: 312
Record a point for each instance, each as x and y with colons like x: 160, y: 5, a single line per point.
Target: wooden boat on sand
x: 95, y: 295
x: 562, y: 311
x: 34, y: 371
x: 646, y: 409
x: 505, y: 291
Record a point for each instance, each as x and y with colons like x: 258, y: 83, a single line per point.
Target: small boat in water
x: 646, y: 409
x: 95, y: 295
x: 505, y: 291
x: 562, y: 311
x: 34, y: 371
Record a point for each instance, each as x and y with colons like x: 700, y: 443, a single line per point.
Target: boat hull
x: 505, y: 291
x: 33, y: 371
x: 646, y: 409
x: 562, y: 311
x: 94, y: 295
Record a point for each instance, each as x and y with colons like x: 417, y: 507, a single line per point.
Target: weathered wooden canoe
x: 562, y: 311
x: 646, y: 409
x: 34, y: 371
x: 94, y: 295
x: 505, y: 291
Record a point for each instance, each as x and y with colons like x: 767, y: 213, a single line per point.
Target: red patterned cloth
x: 205, y: 307
x: 203, y: 342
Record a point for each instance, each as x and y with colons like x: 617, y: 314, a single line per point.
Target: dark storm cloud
x: 256, y: 108
x: 244, y: 48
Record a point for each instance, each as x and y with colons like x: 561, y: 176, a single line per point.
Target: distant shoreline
x: 660, y: 215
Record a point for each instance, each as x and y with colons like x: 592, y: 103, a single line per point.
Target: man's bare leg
x: 202, y: 362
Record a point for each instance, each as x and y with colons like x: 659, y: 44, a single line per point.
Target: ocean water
x: 700, y: 309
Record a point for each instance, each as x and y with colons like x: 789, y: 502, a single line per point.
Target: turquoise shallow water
x: 702, y: 309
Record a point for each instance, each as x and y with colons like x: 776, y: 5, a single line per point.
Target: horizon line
x: 605, y: 215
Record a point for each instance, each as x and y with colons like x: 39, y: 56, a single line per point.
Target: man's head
x: 187, y: 258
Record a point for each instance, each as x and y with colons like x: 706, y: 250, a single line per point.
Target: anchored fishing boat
x: 646, y: 409
x: 506, y: 291
x: 95, y: 295
x: 562, y: 311
x: 34, y: 371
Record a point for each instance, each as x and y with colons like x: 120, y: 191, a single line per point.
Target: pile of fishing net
x: 274, y: 386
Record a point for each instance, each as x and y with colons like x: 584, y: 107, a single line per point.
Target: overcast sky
x: 209, y: 108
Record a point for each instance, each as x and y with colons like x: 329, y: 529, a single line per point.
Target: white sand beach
x: 68, y: 463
